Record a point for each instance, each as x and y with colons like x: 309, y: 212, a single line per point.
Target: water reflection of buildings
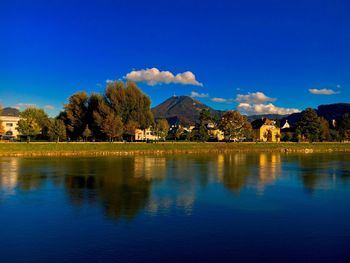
x: 241, y: 169
x: 149, y: 168
x: 183, y: 175
x: 269, y: 169
x: 9, y: 170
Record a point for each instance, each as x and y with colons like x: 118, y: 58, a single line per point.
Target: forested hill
x: 183, y: 109
x: 329, y: 112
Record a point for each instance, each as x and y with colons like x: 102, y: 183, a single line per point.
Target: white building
x: 286, y: 125
x: 144, y: 135
x: 9, y: 118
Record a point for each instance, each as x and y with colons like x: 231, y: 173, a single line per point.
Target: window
x: 9, y: 124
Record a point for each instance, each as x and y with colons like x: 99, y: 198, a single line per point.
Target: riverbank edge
x: 121, y: 149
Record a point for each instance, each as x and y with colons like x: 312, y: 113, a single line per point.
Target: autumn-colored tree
x: 179, y: 132
x: 113, y: 126
x: 109, y: 123
x: 76, y: 114
x: 162, y: 128
x: 2, y: 129
x: 57, y: 130
x: 115, y: 97
x: 309, y: 125
x: 234, y: 125
x: 93, y: 104
x: 130, y: 128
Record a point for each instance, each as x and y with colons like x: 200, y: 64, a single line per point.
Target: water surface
x: 191, y: 208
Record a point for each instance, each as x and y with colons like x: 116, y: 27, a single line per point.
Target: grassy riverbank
x: 100, y: 149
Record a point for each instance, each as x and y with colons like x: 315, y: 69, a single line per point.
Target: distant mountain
x: 181, y: 109
x: 185, y: 110
x: 329, y: 112
x: 333, y: 111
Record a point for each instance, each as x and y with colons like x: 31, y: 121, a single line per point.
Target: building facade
x: 9, y: 118
x: 145, y: 135
x: 266, y: 130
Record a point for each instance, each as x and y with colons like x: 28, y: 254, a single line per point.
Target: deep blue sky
x: 51, y: 49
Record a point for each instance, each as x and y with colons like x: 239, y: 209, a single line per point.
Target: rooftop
x: 10, y: 112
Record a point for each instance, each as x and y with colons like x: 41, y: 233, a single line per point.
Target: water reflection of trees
x: 125, y: 186
x: 322, y: 171
x: 234, y: 170
x: 122, y: 185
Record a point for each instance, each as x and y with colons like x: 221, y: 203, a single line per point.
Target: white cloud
x: 265, y: 109
x: 25, y: 105
x: 221, y: 100
x: 253, y: 98
x: 323, y: 91
x: 154, y: 76
x: 49, y: 107
x: 199, y: 95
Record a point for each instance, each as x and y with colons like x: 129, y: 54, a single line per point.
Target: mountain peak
x: 183, y: 108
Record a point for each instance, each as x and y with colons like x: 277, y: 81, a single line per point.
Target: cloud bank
x: 251, y: 109
x: 221, y: 100
x: 253, y: 98
x: 25, y: 105
x: 154, y: 76
x: 199, y: 95
x: 259, y: 103
x: 49, y: 107
x: 322, y: 91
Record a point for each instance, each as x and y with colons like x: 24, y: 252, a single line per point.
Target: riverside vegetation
x: 101, y: 149
x: 123, y: 108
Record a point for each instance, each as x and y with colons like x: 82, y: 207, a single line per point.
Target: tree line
x: 113, y: 115
x: 122, y: 108
x: 314, y: 128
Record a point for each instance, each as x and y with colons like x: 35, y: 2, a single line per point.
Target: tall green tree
x: 76, y: 114
x: 137, y: 107
x: 28, y: 128
x: 309, y: 125
x: 34, y: 121
x: 57, y: 130
x: 325, y: 133
x: 344, y: 127
x: 93, y: 104
x: 205, y: 118
x: 234, y: 125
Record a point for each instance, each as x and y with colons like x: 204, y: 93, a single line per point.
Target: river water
x: 260, y: 207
